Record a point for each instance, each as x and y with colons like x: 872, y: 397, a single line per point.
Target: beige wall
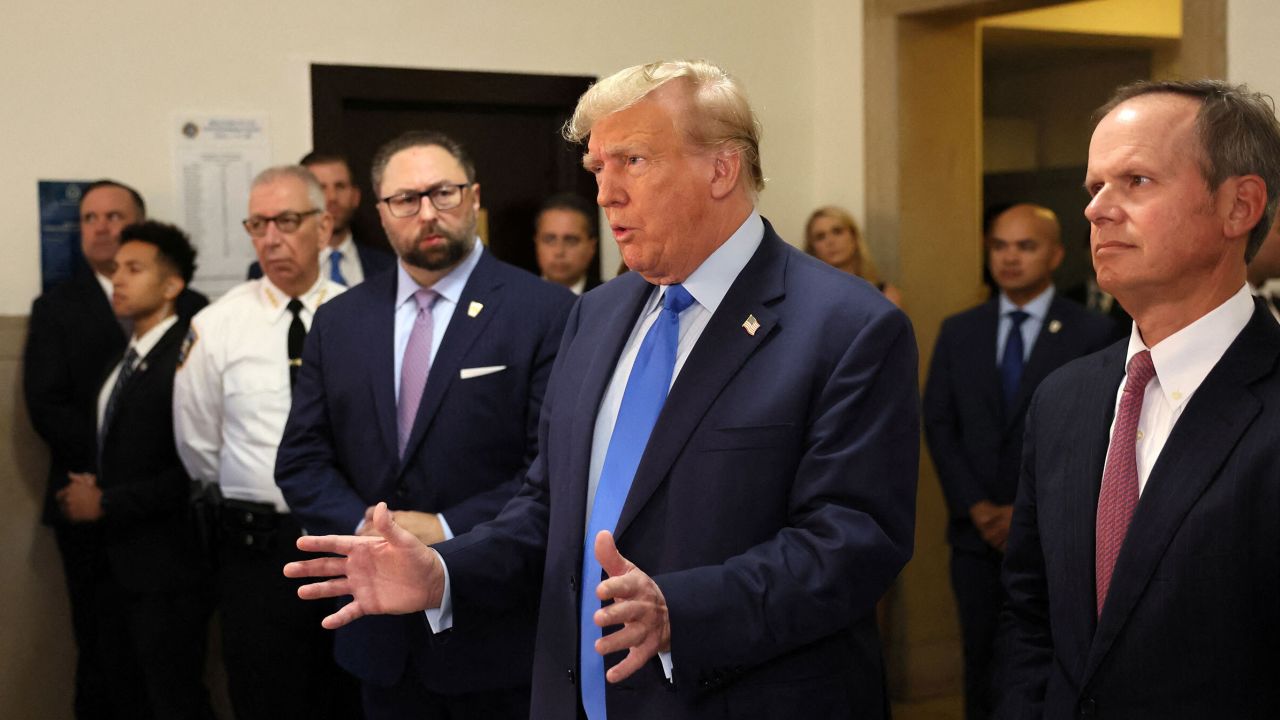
x: 1253, y: 55
x: 90, y: 89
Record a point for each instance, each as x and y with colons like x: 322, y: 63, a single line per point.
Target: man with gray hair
x: 1142, y: 565
x: 730, y: 538
x: 231, y: 398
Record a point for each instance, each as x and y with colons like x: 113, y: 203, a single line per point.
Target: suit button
x: 248, y: 518
x: 1088, y: 708
x: 402, y: 491
x: 248, y: 539
x: 569, y: 672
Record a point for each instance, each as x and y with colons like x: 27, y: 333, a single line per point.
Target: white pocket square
x: 468, y: 373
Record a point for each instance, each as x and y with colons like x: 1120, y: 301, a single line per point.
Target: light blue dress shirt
x: 1036, y: 311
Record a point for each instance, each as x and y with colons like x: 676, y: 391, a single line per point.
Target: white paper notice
x: 215, y: 159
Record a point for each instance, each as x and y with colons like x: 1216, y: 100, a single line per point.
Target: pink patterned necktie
x: 415, y: 366
x: 1119, y: 494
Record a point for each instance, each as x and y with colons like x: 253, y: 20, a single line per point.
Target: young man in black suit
x: 985, y: 368
x: 566, y: 236
x: 72, y: 337
x: 151, y: 592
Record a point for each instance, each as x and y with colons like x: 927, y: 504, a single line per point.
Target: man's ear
x: 1244, y: 199
x: 173, y: 287
x: 726, y: 168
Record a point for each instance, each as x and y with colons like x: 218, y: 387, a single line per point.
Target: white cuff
x: 444, y: 528
x: 665, y: 659
x: 441, y: 618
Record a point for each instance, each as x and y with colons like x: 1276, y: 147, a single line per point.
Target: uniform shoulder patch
x: 187, y: 343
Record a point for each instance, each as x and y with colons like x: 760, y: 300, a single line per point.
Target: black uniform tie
x: 297, y: 335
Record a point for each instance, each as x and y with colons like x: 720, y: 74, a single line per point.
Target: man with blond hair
x: 1142, y: 566
x: 727, y: 455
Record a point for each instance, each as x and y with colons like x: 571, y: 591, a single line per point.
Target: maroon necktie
x: 1119, y: 494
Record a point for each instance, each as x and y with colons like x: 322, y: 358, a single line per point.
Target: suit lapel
x: 716, y: 357
x: 146, y: 365
x: 608, y: 335
x: 1203, y: 437
x: 1082, y: 460
x: 1044, y: 354
x: 379, y: 348
x: 482, y: 288
x: 986, y: 371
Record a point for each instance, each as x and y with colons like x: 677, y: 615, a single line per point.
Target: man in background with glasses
x: 422, y: 388
x: 565, y: 238
x: 343, y: 259
x: 231, y: 399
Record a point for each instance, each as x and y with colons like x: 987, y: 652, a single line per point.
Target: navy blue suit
x: 373, y: 261
x: 466, y: 456
x: 976, y: 446
x: 1191, y: 624
x: 774, y: 504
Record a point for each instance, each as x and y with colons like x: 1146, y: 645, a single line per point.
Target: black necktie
x: 297, y: 335
x: 127, y: 368
x: 1011, y: 363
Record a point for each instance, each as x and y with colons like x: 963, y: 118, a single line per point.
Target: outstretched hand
x: 638, y: 606
x: 387, y: 573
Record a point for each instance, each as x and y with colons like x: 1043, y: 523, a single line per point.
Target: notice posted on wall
x: 60, y: 255
x: 214, y: 161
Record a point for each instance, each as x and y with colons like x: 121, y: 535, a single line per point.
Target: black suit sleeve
x: 942, y: 430
x: 59, y: 417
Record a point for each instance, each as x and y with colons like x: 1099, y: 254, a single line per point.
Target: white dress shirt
x: 1182, y: 362
x: 232, y: 394
x: 350, y: 266
x: 142, y: 346
x: 104, y: 282
x: 1036, y: 311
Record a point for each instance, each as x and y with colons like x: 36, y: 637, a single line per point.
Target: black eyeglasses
x: 286, y: 222
x: 408, y: 203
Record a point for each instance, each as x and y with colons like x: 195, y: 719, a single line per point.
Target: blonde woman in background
x: 832, y: 236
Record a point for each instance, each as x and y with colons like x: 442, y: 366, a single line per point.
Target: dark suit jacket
x: 373, y: 261
x: 975, y: 443
x: 467, y: 454
x: 73, y: 340
x: 1191, y: 624
x: 150, y: 537
x: 774, y: 505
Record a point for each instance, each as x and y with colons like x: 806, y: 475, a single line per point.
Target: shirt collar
x: 1185, y: 358
x: 276, y: 302
x: 710, y: 281
x: 347, y: 247
x: 449, y: 287
x: 1038, y: 308
x: 579, y: 286
x: 1270, y: 288
x: 143, y: 345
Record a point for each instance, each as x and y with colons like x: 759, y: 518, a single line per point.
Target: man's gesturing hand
x: 388, y: 573
x: 638, y: 606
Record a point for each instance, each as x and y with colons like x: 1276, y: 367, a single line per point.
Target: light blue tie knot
x: 677, y: 299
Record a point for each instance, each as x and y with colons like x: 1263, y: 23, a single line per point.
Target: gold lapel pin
x: 474, y: 308
x: 751, y: 325
x: 1055, y: 326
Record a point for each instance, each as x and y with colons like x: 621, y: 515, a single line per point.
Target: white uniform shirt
x: 231, y: 396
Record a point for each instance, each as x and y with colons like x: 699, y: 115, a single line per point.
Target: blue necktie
x: 1011, y: 363
x: 335, y: 267
x: 642, y: 400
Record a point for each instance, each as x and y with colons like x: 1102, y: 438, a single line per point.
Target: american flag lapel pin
x: 751, y: 325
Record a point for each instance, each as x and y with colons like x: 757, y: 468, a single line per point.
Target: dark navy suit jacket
x: 774, y: 505
x: 466, y: 456
x: 373, y: 261
x: 976, y: 445
x: 1191, y: 624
